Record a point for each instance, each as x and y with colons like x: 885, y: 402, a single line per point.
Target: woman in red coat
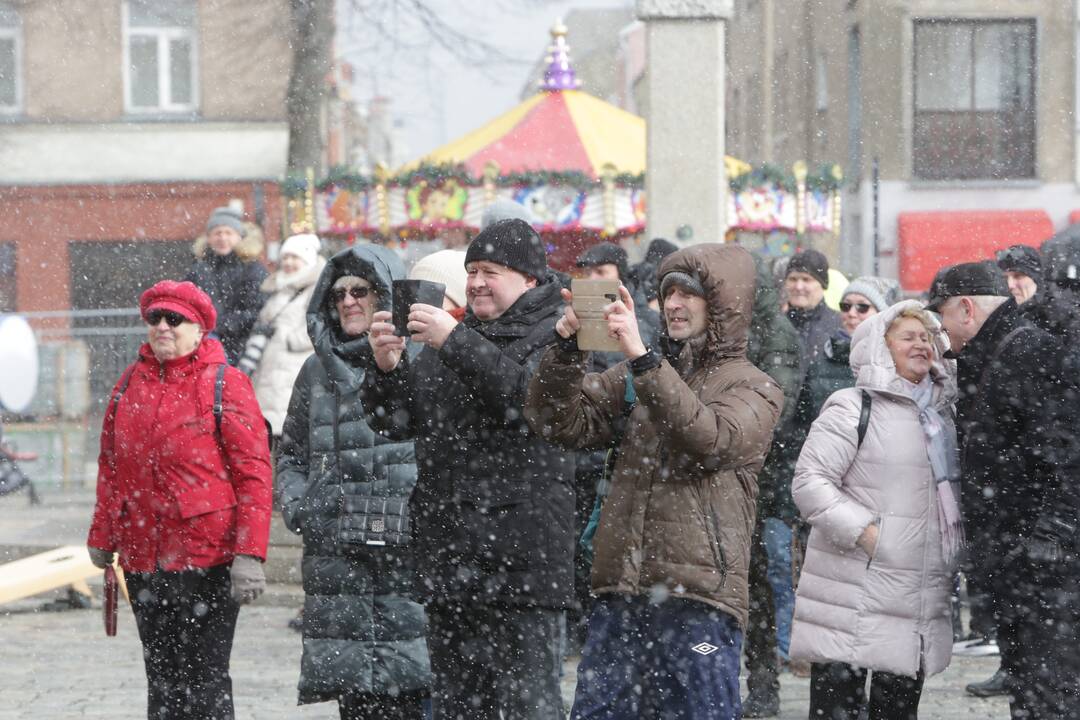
x: 183, y: 497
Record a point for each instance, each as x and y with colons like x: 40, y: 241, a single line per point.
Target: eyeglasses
x: 863, y: 308
x: 358, y: 292
x: 174, y: 319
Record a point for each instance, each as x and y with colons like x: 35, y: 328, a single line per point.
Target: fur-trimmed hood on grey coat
x: 888, y: 611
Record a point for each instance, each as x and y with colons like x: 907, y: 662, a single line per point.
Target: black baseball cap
x: 967, y: 279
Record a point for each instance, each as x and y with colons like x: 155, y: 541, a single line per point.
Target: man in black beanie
x: 492, y: 512
x: 1022, y: 266
x: 605, y: 261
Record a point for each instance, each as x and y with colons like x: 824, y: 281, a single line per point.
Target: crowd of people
x: 750, y: 473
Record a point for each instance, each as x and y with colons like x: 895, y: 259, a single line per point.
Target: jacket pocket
x: 880, y: 520
x: 712, y: 533
x: 202, y: 500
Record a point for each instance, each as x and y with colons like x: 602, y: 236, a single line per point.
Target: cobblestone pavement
x: 58, y: 665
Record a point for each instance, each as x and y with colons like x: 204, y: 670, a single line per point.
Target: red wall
x: 930, y: 240
x: 41, y: 221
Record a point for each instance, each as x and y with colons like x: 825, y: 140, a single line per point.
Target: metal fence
x: 82, y: 354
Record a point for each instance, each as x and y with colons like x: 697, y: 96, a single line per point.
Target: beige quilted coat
x: 889, y: 611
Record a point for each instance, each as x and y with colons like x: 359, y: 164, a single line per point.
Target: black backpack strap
x: 125, y: 380
x: 219, y: 406
x: 864, y: 417
x: 219, y: 392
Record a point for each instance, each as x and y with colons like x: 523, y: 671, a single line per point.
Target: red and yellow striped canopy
x: 555, y: 131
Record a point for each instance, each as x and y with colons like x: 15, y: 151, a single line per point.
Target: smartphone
x: 590, y: 299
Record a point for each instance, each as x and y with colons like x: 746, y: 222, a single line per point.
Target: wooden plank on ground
x: 68, y: 565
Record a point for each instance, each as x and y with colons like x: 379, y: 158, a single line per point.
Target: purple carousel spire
x: 560, y: 73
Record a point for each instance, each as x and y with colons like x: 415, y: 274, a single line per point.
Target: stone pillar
x: 685, y: 181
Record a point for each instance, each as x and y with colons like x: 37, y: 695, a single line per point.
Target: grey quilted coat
x: 344, y: 488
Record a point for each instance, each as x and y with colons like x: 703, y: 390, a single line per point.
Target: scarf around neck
x: 945, y: 466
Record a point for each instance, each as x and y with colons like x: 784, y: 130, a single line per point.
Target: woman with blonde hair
x: 876, y: 481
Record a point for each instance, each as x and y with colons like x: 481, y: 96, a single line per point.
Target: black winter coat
x: 1006, y: 417
x: 233, y: 285
x: 820, y: 378
x: 494, y: 503
x: 344, y: 488
x: 774, y: 349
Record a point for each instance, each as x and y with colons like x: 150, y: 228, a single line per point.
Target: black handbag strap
x: 864, y: 417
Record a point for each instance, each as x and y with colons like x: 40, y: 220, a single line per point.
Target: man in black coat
x: 603, y: 261
x: 1011, y: 427
x: 493, y: 507
x: 227, y: 269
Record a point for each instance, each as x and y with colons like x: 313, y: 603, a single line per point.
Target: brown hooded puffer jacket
x: 680, y: 513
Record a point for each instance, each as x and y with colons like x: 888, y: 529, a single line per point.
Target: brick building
x: 122, y: 124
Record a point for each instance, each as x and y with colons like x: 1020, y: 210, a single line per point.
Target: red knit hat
x: 180, y: 297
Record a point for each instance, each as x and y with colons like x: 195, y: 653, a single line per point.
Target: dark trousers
x: 488, y: 659
x: 984, y: 621
x: 381, y: 707
x: 587, y: 479
x: 761, y: 665
x: 677, y: 660
x: 186, y: 622
x: 1038, y: 629
x: 838, y: 692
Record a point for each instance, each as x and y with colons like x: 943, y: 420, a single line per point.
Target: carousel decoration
x: 576, y: 162
x: 768, y: 199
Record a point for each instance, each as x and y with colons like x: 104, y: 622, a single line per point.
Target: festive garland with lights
x: 768, y: 174
x: 435, y: 174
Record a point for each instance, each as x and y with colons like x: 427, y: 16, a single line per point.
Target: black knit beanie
x: 812, y: 263
x: 512, y: 243
x: 605, y: 253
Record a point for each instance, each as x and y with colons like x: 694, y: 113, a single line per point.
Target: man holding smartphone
x: 493, y: 506
x: 673, y: 544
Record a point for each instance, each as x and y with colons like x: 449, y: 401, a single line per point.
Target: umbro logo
x: 704, y: 648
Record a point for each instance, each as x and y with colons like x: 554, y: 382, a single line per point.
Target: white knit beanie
x: 305, y: 246
x: 446, y: 267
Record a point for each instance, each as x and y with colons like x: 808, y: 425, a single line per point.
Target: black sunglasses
x: 863, y: 308
x: 358, y: 292
x: 174, y: 319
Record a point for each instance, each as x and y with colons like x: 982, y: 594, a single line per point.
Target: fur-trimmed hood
x: 873, y: 366
x: 248, y: 249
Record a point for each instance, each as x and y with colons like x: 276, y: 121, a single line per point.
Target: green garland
x: 767, y: 174
x: 352, y: 181
x: 783, y: 178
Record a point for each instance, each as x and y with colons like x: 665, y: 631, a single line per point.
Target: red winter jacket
x: 171, y: 494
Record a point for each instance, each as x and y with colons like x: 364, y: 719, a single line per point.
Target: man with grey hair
x: 1008, y: 424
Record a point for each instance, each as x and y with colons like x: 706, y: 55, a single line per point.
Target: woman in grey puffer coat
x: 346, y: 490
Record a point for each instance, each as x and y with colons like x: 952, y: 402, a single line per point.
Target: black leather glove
x: 1051, y: 541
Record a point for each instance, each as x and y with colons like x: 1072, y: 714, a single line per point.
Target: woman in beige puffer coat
x: 874, y: 591
x: 285, y: 312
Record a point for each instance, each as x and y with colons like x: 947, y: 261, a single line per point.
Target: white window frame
x: 16, y: 34
x: 164, y: 36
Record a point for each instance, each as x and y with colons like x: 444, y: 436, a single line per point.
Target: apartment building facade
x: 955, y: 121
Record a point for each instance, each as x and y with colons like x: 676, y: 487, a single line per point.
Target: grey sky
x: 435, y: 96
